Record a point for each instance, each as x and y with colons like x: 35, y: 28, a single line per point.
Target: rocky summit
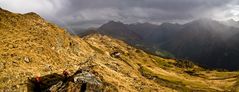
x: 38, y: 56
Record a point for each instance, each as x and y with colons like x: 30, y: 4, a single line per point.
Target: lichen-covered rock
x: 27, y: 59
x: 87, y: 78
x: 80, y: 82
x: 2, y: 66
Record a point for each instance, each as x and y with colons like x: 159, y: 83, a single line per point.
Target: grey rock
x: 87, y: 78
x: 27, y: 59
x: 2, y: 66
x: 82, y: 81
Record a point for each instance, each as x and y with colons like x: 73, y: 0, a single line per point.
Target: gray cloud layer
x: 85, y: 13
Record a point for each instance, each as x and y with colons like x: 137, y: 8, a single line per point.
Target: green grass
x: 161, y: 63
x: 173, y: 82
x: 163, y: 80
x: 164, y: 54
x: 96, y: 49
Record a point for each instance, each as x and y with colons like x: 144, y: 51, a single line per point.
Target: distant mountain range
x: 210, y: 43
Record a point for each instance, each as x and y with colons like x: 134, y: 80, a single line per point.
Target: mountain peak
x: 115, y: 22
x: 33, y: 15
x: 231, y: 23
x: 3, y: 11
x: 30, y: 15
x: 168, y: 24
x: 205, y: 22
x: 144, y: 24
x: 112, y: 23
x: 232, y: 20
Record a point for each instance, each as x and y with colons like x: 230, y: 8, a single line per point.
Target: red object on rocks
x: 38, y: 79
x: 65, y: 73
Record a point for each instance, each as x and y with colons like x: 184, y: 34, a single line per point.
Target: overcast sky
x: 85, y: 13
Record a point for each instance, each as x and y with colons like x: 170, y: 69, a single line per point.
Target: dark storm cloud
x: 85, y: 13
x: 129, y: 11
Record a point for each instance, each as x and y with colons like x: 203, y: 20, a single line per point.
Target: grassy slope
x: 30, y: 46
x: 163, y: 72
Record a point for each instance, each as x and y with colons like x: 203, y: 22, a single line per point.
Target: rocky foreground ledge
x: 84, y: 80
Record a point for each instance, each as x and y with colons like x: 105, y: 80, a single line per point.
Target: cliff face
x: 36, y: 55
